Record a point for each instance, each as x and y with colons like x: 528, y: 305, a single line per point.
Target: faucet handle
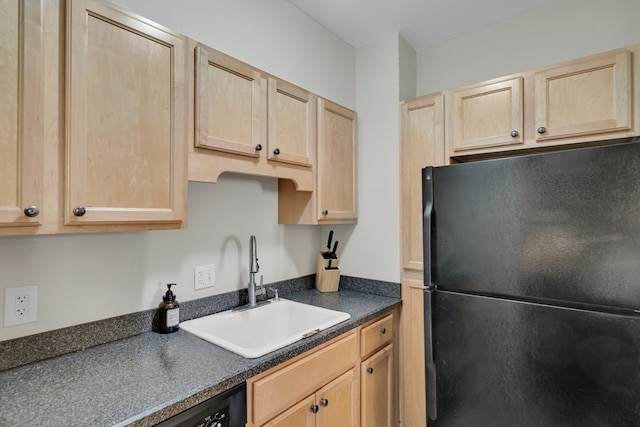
x: 276, y: 298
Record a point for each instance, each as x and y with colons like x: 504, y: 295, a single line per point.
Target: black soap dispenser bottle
x: 169, y: 312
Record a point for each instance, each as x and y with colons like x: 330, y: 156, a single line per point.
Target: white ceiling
x: 423, y: 23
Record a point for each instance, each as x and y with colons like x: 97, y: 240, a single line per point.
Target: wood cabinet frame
x: 23, y: 111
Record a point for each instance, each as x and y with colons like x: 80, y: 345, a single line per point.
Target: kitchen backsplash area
x: 32, y: 348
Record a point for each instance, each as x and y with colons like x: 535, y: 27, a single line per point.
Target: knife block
x: 327, y: 280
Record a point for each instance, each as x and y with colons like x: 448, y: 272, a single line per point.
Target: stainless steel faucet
x: 253, y: 269
x: 253, y: 289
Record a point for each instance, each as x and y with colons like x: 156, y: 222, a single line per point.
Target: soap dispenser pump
x: 169, y: 312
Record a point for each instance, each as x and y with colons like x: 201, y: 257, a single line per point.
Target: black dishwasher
x: 228, y: 409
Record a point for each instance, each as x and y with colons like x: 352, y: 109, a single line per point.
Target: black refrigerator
x: 532, y: 290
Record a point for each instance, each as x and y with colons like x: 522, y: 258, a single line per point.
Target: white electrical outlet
x: 205, y: 276
x: 20, y: 305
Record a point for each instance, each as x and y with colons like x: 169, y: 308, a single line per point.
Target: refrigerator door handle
x: 427, y: 210
x: 430, y: 367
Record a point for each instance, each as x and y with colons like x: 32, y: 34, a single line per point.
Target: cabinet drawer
x: 278, y: 391
x: 376, y: 335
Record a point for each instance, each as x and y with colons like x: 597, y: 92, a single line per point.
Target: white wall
x: 373, y: 247
x: 87, y: 277
x: 559, y: 32
x: 408, y: 70
x: 271, y: 35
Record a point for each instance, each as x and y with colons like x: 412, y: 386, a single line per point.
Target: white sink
x: 258, y: 331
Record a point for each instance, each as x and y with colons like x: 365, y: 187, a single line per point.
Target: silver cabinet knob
x: 314, y: 409
x: 324, y: 402
x: 276, y: 151
x: 258, y: 147
x: 370, y: 370
x: 383, y: 331
x: 79, y: 211
x: 31, y: 211
x: 325, y: 212
x: 514, y: 133
x: 542, y: 130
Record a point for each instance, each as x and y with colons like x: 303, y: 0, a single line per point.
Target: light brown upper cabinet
x: 486, y: 115
x: 291, y: 123
x: 592, y: 96
x: 318, y: 388
x: 249, y: 122
x: 21, y: 108
x: 334, y: 200
x: 587, y: 100
x: 231, y: 101
x: 126, y: 118
x: 336, y: 179
x: 422, y: 145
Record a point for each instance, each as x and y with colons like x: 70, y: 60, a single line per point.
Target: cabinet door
x: 586, y: 97
x: 126, y: 118
x: 291, y: 123
x: 377, y: 389
x: 412, y: 354
x: 302, y: 414
x: 21, y: 108
x: 230, y: 104
x: 274, y: 393
x: 422, y: 145
x: 338, y: 402
x: 336, y: 179
x: 485, y: 116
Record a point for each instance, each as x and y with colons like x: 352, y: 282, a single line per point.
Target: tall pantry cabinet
x: 422, y: 145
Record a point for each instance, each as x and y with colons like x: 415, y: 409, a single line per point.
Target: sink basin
x: 261, y: 330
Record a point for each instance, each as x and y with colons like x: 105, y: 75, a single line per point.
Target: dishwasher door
x: 228, y: 409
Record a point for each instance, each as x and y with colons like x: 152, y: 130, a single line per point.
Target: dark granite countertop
x: 144, y: 379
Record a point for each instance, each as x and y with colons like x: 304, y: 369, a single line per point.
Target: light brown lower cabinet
x: 335, y: 404
x: 377, y: 389
x: 277, y: 395
x: 348, y: 382
x: 412, y: 361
